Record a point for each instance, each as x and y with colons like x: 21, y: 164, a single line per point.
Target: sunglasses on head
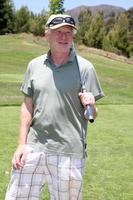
x: 59, y: 20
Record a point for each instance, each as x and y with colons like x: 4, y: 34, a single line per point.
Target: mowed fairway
x: 109, y: 165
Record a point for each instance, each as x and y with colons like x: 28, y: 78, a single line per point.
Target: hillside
x: 107, y: 9
x: 17, y: 50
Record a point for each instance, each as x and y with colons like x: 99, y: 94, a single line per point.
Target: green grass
x: 109, y: 165
x: 15, y: 53
x: 108, y: 171
x: 116, y: 78
x: 17, y: 50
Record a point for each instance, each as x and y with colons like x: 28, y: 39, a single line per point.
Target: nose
x: 64, y: 35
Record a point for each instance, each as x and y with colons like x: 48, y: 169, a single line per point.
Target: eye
x: 68, y: 33
x: 58, y: 32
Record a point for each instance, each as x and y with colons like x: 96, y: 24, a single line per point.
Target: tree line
x: 114, y: 34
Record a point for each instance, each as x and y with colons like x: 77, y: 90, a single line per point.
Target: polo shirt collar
x: 71, y: 56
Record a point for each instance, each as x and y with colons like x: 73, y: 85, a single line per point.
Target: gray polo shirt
x: 58, y: 123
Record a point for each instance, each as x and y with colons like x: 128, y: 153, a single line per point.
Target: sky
x: 38, y: 5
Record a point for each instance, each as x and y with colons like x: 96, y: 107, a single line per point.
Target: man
x: 53, y: 123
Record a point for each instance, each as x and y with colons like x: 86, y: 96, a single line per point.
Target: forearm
x: 25, y: 120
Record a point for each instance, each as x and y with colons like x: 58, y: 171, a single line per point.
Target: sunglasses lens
x: 69, y: 20
x: 59, y: 20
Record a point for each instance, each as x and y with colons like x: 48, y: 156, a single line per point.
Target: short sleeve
x: 89, y: 78
x: 92, y: 83
x: 26, y: 86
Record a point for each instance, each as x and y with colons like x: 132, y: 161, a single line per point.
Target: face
x: 60, y: 40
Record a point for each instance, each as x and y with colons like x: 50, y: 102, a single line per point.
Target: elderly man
x: 53, y: 120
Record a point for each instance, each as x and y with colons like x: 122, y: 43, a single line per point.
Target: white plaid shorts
x: 64, y: 176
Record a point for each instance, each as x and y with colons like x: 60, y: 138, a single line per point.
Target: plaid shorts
x: 63, y: 175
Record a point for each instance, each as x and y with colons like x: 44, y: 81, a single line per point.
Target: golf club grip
x: 88, y: 108
x: 90, y: 113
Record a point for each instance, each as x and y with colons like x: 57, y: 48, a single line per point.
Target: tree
x: 130, y: 18
x: 7, y: 16
x: 84, y: 20
x: 117, y: 38
x: 37, y: 23
x: 130, y: 35
x: 109, y: 22
x: 22, y: 23
x: 94, y: 36
x: 56, y: 6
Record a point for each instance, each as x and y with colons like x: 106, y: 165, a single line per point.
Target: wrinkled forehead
x: 61, y: 29
x: 64, y: 28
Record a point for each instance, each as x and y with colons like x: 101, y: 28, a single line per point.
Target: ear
x: 46, y: 36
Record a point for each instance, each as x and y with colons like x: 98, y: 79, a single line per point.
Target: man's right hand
x: 18, y: 160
